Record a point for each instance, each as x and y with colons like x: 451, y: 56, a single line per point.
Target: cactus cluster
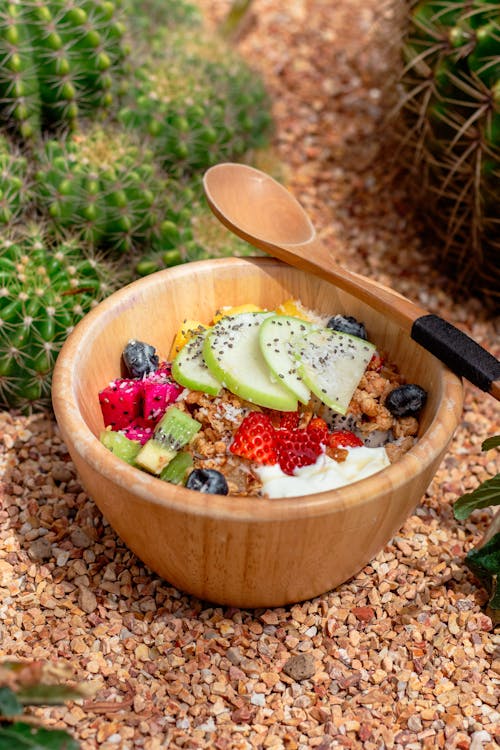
x: 451, y: 129
x: 110, y: 110
x: 58, y: 61
x: 45, y: 289
x: 196, y: 103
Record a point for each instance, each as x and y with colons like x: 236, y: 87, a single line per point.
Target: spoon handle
x: 462, y: 354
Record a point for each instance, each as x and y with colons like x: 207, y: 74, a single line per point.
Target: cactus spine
x: 451, y: 114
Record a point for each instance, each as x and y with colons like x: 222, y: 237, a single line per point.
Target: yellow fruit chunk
x: 293, y: 308
x: 223, y: 311
x: 186, y: 331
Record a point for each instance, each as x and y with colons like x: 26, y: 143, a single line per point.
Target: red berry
x: 285, y: 420
x: 254, y: 439
x: 297, y: 448
x: 343, y: 439
x: 319, y: 427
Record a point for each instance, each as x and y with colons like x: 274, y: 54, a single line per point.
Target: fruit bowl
x: 242, y: 551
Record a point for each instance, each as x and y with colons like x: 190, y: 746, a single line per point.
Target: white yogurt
x: 325, y: 474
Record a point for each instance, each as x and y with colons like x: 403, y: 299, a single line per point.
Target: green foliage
x: 34, y: 683
x: 45, y: 289
x: 484, y: 561
x: 450, y: 108
x: 23, y: 736
x: 58, y: 61
x: 235, y: 17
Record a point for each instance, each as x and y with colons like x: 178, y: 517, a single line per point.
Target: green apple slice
x: 277, y: 338
x: 332, y: 363
x: 190, y: 370
x: 232, y: 353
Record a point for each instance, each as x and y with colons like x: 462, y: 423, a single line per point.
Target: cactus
x: 148, y: 17
x: 450, y: 111
x: 190, y: 232
x: 44, y: 291
x: 197, y: 103
x: 15, y: 189
x: 58, y: 61
x: 102, y: 183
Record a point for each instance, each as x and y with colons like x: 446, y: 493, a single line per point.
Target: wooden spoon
x: 264, y: 213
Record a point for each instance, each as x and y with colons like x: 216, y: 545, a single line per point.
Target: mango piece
x: 187, y: 330
x: 293, y: 308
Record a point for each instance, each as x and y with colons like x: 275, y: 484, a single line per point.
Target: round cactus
x: 103, y: 184
x: 58, y: 60
x: 15, y: 191
x: 44, y: 291
x: 197, y: 103
x: 451, y: 117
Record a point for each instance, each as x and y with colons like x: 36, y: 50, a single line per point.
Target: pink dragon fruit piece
x: 157, y: 396
x: 121, y: 402
x: 140, y: 430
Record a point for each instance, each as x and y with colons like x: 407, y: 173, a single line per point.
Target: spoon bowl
x: 270, y: 213
x: 264, y: 213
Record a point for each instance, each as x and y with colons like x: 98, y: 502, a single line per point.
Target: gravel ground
x: 401, y: 656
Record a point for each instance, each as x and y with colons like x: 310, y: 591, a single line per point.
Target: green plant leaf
x: 9, y: 704
x: 484, y: 562
x: 488, y: 493
x: 491, y: 442
x: 48, y: 695
x: 22, y: 736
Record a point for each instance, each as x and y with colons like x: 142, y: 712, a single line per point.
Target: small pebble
x: 300, y: 667
x: 40, y: 549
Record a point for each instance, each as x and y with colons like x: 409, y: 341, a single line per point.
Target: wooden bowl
x: 245, y: 552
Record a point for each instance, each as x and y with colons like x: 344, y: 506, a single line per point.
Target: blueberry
x: 140, y: 359
x: 406, y: 400
x: 347, y: 324
x: 207, y: 480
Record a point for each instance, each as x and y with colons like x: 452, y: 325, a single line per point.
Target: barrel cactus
x: 58, y: 60
x: 451, y: 116
x: 103, y: 183
x: 44, y: 291
x: 197, y: 103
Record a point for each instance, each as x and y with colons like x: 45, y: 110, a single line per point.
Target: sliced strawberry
x: 343, y: 439
x: 297, y: 448
x: 319, y: 427
x: 254, y: 439
x: 284, y: 420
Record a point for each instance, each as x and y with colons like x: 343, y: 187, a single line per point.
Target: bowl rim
x: 150, y: 489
